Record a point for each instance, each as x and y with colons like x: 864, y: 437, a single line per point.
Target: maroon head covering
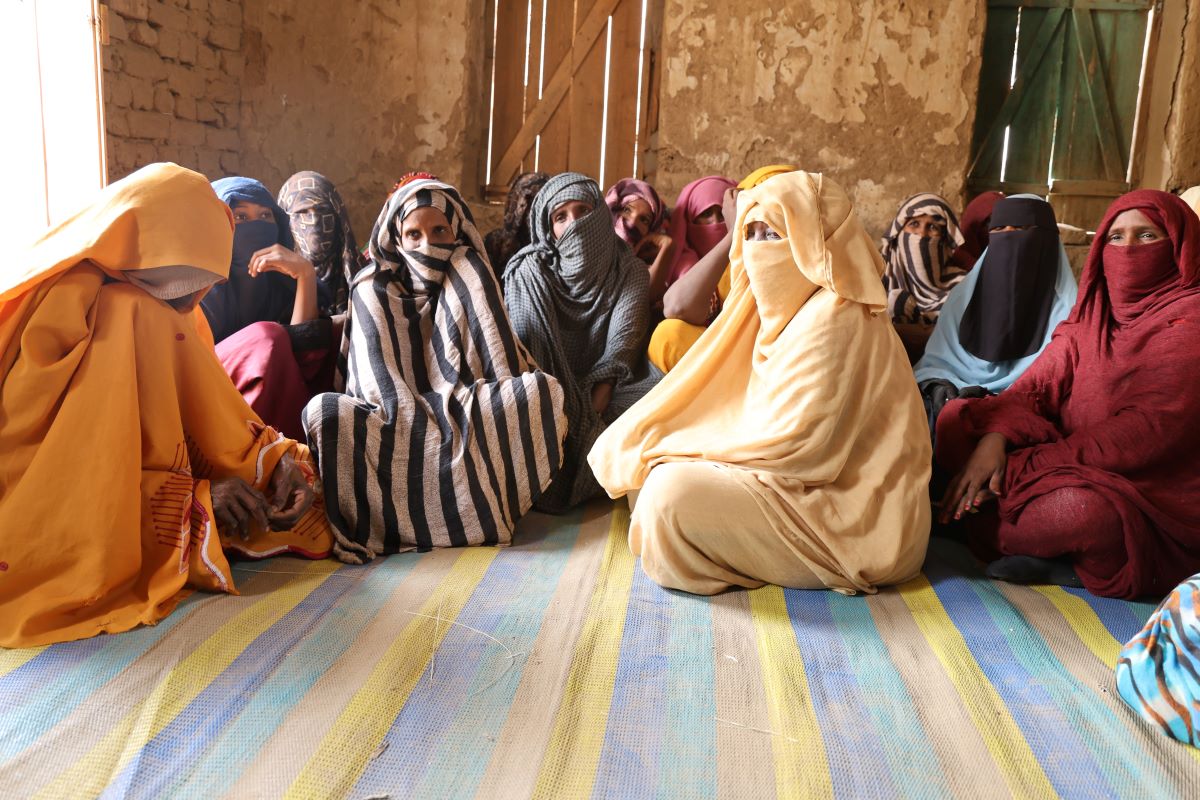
x: 1130, y: 285
x: 621, y: 193
x: 975, y: 222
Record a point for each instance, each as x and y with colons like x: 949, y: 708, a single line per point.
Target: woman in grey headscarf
x: 577, y: 298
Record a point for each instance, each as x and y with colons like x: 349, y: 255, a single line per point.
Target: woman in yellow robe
x: 118, y: 426
x: 789, y: 445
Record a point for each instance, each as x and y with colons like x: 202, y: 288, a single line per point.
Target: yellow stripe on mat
x: 1084, y: 622
x: 995, y: 724
x: 801, y: 768
x: 186, y: 679
x: 358, y: 731
x: 570, y: 761
x: 12, y: 659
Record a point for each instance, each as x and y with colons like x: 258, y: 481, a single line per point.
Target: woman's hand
x: 982, y: 478
x: 278, y: 258
x: 601, y: 397
x: 290, y: 495
x: 651, y: 245
x: 238, y: 506
x: 729, y: 206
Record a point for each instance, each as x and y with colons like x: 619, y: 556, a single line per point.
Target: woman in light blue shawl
x: 997, y: 320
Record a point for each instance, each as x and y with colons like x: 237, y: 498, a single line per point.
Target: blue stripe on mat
x: 690, y: 727
x: 1122, y: 618
x: 1050, y: 734
x: 441, y: 741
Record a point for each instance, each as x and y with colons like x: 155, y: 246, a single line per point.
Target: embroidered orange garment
x: 115, y: 415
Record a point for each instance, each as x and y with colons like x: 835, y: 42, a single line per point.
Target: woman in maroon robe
x: 1093, y: 455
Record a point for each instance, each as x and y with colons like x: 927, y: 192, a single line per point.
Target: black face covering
x: 1007, y: 316
x: 244, y: 300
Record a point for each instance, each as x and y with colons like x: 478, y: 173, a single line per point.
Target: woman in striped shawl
x: 578, y: 298
x: 447, y: 430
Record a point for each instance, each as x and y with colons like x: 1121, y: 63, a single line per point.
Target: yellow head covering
x: 802, y: 381
x: 1192, y: 198
x: 160, y: 216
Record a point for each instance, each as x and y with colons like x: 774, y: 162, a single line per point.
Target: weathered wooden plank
x: 1031, y: 139
x: 623, y: 91
x: 587, y: 92
x: 508, y: 114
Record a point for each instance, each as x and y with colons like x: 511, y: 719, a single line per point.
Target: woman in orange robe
x: 127, y: 457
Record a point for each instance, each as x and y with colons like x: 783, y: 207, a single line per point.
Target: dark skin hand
x: 981, y: 480
x: 240, y: 507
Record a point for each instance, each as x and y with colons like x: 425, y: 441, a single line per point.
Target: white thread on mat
x: 512, y: 657
x: 757, y: 730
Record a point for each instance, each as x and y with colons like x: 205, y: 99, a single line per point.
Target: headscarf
x: 1192, y: 198
x: 588, y: 261
x: 919, y: 271
x: 975, y: 224
x: 622, y: 192
x: 513, y: 234
x: 321, y: 227
x: 1009, y: 311
x: 692, y: 240
x: 1130, y: 286
x: 788, y: 385
x: 244, y: 300
x: 1004, y: 263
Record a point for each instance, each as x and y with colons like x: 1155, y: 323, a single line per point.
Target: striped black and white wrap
x: 919, y: 273
x: 447, y: 429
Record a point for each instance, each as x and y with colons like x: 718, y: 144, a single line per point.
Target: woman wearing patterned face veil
x: 577, y: 297
x: 129, y: 462
x: 788, y: 446
x: 918, y: 253
x: 321, y: 227
x: 447, y: 430
x: 998, y: 319
x: 1090, y: 456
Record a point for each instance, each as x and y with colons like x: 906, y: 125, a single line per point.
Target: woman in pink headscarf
x: 638, y: 216
x: 697, y: 223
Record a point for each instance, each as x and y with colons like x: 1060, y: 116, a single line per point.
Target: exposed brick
x: 142, y: 33
x: 226, y: 37
x: 168, y: 43
x: 233, y: 64
x: 188, y: 133
x: 142, y: 153
x: 205, y: 112
x: 142, y: 93
x: 118, y: 92
x: 118, y: 29
x: 130, y: 9
x: 223, y: 90
x: 140, y: 62
x: 206, y: 57
x: 116, y: 121
x: 231, y: 163
x: 164, y: 101
x: 149, y: 125
x: 220, y: 139
x: 185, y: 107
x: 225, y: 12
x: 198, y: 6
x: 228, y: 112
x: 209, y: 163
x: 185, y: 81
x: 168, y: 16
x: 188, y: 45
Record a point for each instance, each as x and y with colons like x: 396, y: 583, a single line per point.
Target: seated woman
x: 447, y: 430
x: 129, y: 458
x: 920, y: 273
x: 998, y: 319
x: 504, y: 242
x: 1090, y: 455
x: 789, y: 447
x: 577, y: 298
x: 320, y: 227
x: 975, y: 224
x: 270, y: 336
x: 638, y: 216
x: 693, y: 299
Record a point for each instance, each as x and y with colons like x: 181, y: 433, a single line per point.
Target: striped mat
x: 556, y: 669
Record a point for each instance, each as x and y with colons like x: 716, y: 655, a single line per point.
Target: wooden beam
x: 1096, y: 85
x: 1090, y: 188
x: 555, y: 89
x: 1091, y: 5
x: 1039, y: 49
